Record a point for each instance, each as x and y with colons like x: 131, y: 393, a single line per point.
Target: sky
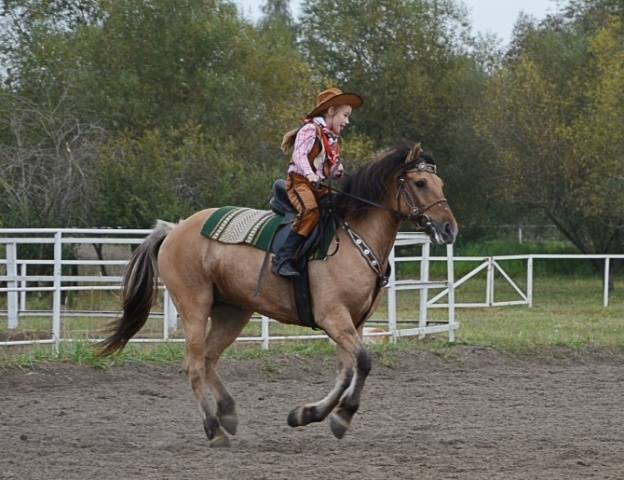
x: 488, y: 16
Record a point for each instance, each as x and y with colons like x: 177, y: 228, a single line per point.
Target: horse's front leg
x: 318, y: 411
x: 349, y: 402
x: 354, y: 366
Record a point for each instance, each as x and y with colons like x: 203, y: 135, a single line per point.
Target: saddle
x: 267, y: 230
x: 318, y: 240
x: 317, y: 243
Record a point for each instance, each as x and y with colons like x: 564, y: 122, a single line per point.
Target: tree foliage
x: 555, y: 116
x: 118, y: 112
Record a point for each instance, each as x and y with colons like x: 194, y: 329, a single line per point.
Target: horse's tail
x: 139, y: 290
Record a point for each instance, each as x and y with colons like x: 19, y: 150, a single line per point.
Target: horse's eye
x: 420, y: 183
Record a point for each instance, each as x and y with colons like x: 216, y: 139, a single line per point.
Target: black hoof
x: 338, y: 426
x: 229, y: 423
x: 211, y: 425
x: 294, y: 417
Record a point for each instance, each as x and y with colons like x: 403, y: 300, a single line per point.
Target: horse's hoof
x: 229, y: 423
x: 338, y: 425
x: 222, y: 441
x: 294, y: 417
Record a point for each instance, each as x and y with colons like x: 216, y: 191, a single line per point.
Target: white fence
x: 17, y: 281
x: 493, y: 265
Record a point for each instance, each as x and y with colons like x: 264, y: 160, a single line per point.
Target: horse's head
x: 401, y: 180
x: 420, y: 197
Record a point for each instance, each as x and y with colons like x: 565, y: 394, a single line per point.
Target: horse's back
x: 190, y: 261
x: 180, y: 250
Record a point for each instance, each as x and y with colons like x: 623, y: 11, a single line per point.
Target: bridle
x: 416, y: 213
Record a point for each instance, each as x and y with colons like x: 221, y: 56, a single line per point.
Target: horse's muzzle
x: 440, y: 232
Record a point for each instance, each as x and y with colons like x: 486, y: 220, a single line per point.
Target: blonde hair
x: 288, y: 142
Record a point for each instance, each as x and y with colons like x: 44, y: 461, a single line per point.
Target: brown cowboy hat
x: 334, y: 97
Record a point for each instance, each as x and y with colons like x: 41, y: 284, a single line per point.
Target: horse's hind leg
x: 194, y: 310
x: 226, y: 323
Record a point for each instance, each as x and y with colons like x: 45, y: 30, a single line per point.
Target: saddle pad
x: 242, y: 225
x: 250, y: 226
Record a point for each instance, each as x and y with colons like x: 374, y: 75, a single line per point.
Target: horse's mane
x: 371, y: 181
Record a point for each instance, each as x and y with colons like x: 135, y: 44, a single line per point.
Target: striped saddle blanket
x: 242, y: 225
x: 256, y: 228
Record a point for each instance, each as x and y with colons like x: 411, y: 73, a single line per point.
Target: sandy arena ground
x: 475, y: 414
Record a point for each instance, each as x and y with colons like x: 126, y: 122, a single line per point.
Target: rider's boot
x: 283, y: 263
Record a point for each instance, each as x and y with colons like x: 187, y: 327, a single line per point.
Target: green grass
x: 84, y: 354
x: 568, y: 314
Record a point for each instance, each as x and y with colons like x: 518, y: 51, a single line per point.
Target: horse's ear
x: 414, y: 153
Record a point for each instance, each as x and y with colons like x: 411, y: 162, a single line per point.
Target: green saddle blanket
x: 252, y: 227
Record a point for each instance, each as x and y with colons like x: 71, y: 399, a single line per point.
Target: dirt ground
x: 474, y: 414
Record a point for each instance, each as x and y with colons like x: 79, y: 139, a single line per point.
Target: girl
x: 316, y: 156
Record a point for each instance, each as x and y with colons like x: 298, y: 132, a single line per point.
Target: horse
x: 212, y: 285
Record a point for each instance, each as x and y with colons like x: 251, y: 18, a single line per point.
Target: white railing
x: 492, y: 265
x: 17, y: 285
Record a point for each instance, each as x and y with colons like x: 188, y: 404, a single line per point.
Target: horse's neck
x: 379, y: 230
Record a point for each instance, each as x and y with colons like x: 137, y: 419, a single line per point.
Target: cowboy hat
x: 334, y: 97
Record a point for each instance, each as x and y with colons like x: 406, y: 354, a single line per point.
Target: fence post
x: 170, y: 314
x: 12, y: 297
x: 391, y: 296
x: 489, y: 287
x: 265, y: 332
x: 519, y: 233
x: 23, y: 284
x: 605, y: 298
x: 530, y: 281
x: 450, y: 281
x: 424, y: 292
x: 56, y: 294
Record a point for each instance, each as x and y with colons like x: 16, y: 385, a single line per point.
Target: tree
x: 555, y: 117
x: 46, y: 158
x: 421, y: 74
x: 277, y: 13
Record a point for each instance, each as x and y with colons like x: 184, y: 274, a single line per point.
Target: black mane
x: 372, y: 180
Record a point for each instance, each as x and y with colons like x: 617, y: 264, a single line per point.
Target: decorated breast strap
x: 368, y: 254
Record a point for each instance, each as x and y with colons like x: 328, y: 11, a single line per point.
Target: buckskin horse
x: 212, y: 285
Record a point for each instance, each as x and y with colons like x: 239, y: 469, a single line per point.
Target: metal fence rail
x: 17, y: 287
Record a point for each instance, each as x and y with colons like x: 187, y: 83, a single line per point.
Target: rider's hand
x: 313, y: 177
x: 339, y: 171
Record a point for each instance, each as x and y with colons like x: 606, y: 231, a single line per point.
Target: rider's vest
x: 318, y: 157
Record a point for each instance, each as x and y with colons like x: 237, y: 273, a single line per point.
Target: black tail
x: 139, y: 289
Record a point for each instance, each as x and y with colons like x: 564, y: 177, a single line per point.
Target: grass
x: 568, y: 314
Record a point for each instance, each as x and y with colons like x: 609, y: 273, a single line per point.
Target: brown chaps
x: 304, y: 197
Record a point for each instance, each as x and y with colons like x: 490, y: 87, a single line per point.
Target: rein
x: 394, y: 212
x: 416, y: 212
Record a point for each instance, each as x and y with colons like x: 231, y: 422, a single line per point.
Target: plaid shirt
x: 304, y: 142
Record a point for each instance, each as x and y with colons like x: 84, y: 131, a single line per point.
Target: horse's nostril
x: 448, y: 231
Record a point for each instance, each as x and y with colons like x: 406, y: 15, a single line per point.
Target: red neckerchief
x: 330, y: 143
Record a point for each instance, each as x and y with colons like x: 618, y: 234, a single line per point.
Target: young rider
x: 315, y: 156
